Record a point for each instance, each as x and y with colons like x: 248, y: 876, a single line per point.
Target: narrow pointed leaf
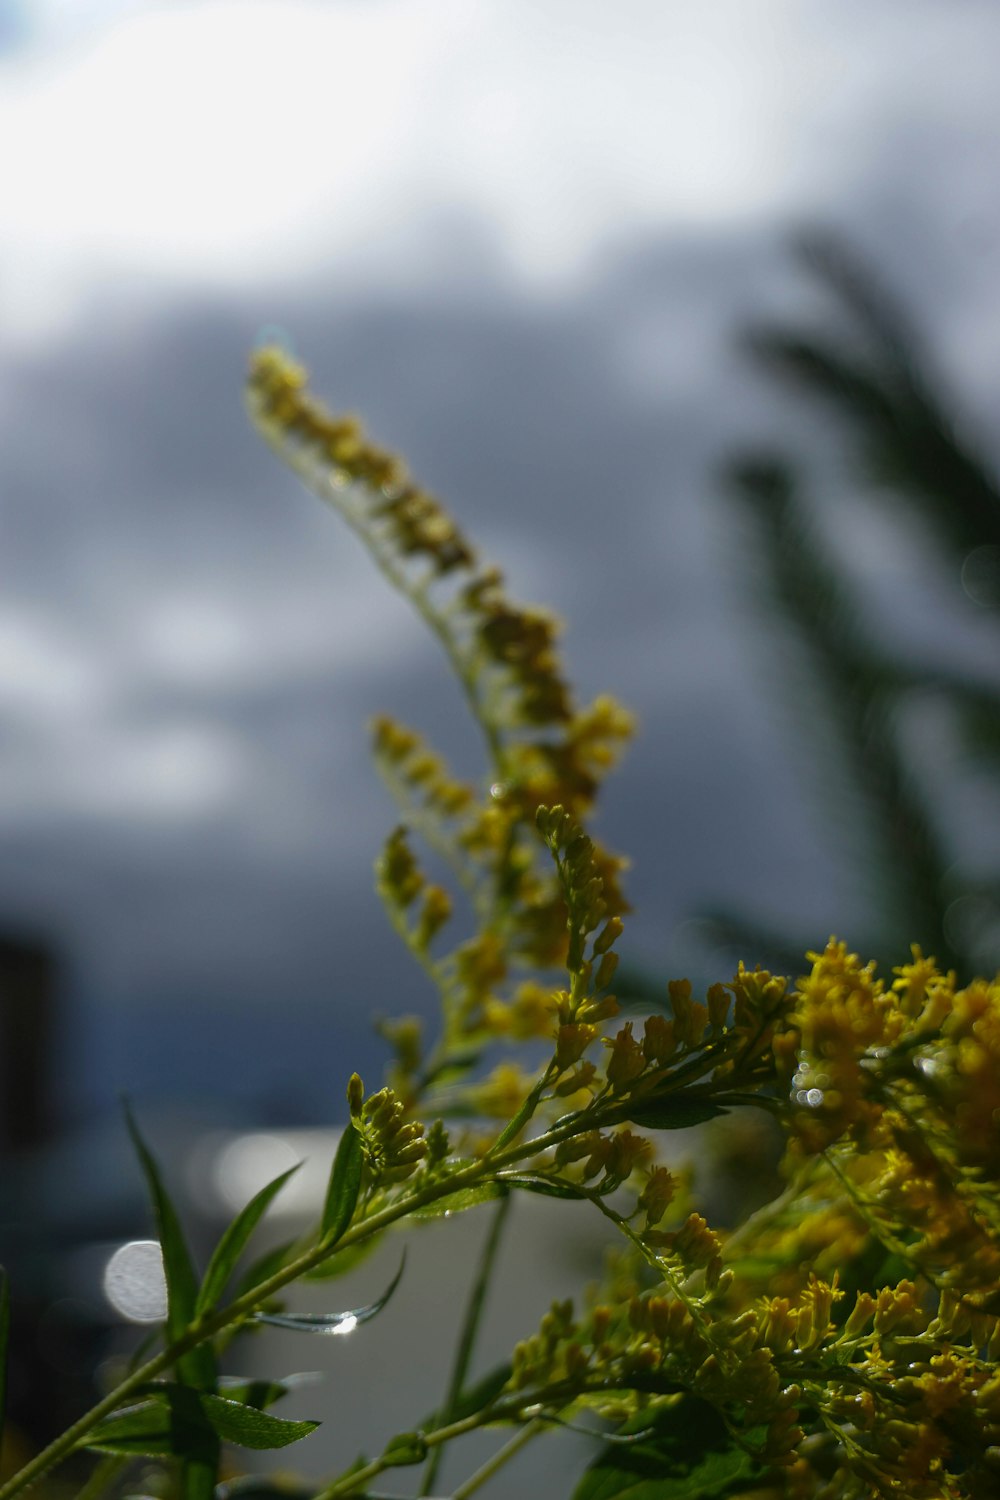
x: 676, y: 1113
x: 332, y: 1323
x: 234, y: 1241
x: 166, y: 1423
x: 344, y: 1186
x: 250, y: 1428
x: 544, y: 1186
x: 458, y: 1202
x: 514, y: 1127
x: 4, y: 1340
x: 198, y: 1366
x: 175, y: 1421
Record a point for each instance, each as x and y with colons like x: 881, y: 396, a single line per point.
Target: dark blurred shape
x: 27, y: 1020
x: 875, y: 378
x: 852, y: 690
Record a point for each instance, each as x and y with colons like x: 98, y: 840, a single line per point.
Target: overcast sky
x: 519, y: 239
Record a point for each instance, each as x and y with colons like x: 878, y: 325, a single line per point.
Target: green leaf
x: 234, y: 1242
x: 332, y: 1323
x: 344, y: 1186
x: 167, y: 1423
x: 4, y: 1341
x: 514, y: 1127
x: 176, y: 1421
x: 458, y: 1202
x: 691, y: 1456
x: 544, y: 1186
x: 250, y: 1428
x: 197, y: 1367
x: 675, y: 1113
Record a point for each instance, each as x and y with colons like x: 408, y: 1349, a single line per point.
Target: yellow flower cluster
x: 847, y: 1334
x: 544, y: 749
x: 393, y: 1145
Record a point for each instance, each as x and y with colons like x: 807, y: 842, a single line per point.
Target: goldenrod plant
x: 840, y: 1343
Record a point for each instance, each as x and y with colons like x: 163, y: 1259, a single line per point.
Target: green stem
x: 349, y: 1483
x: 470, y: 1328
x: 242, y: 1307
x: 502, y: 1456
x: 317, y: 479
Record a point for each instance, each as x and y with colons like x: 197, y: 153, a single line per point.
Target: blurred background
x: 688, y: 313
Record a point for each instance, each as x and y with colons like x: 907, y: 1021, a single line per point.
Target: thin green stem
x: 318, y: 481
x: 349, y: 1483
x: 492, y: 1465
x: 470, y: 1329
x: 242, y: 1307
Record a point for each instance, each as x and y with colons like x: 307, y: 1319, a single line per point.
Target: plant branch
x: 470, y: 1328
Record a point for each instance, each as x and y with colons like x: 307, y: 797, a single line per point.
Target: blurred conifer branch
x: 851, y: 691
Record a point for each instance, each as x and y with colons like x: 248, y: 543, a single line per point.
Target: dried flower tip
x: 626, y: 1061
x: 658, y: 1043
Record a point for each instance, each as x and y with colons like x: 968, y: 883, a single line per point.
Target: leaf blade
x: 344, y: 1186
x: 690, y: 1456
x: 249, y: 1427
x: 174, y: 1421
x: 234, y: 1241
x: 197, y: 1367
